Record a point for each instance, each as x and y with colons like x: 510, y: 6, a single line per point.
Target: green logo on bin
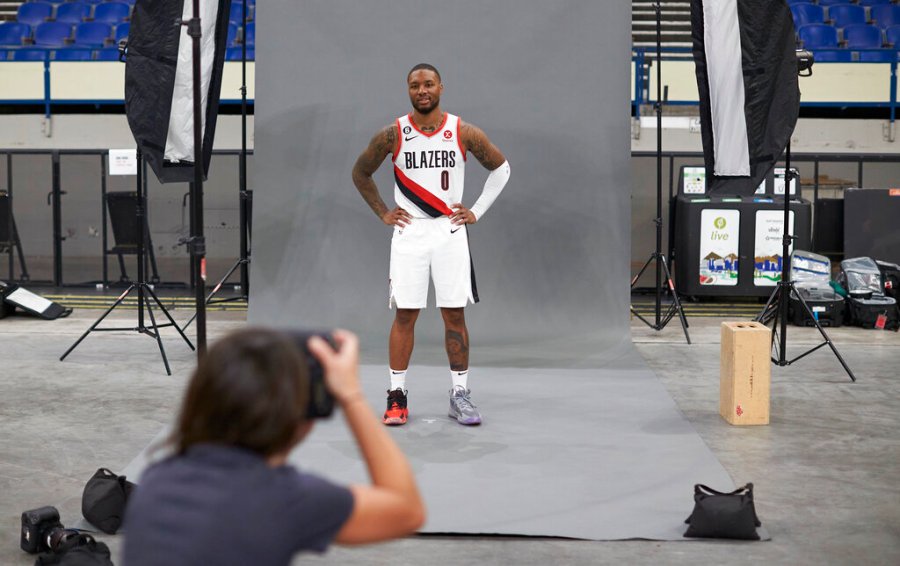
x: 719, y: 223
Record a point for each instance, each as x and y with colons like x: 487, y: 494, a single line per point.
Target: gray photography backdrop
x: 609, y: 456
x: 549, y: 84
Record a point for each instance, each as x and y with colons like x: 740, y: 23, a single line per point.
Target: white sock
x: 459, y: 378
x: 398, y: 379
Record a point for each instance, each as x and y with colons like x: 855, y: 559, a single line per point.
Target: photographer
x: 227, y: 496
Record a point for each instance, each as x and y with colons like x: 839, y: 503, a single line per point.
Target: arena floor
x: 825, y: 469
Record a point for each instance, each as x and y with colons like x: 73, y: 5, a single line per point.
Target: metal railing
x: 55, y: 200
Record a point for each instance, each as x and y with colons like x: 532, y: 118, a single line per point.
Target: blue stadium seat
x: 232, y: 34
x: 92, y: 1
x: 52, y: 34
x: 892, y: 35
x: 34, y: 13
x: 841, y: 56
x: 862, y: 36
x: 885, y: 16
x: 806, y: 13
x: 846, y: 14
x: 108, y: 54
x: 73, y: 54
x: 122, y: 31
x: 112, y: 13
x: 72, y: 12
x: 236, y: 11
x: 92, y: 34
x: 4, y: 55
x: 250, y: 34
x: 873, y: 2
x: 234, y: 53
x: 14, y: 33
x: 832, y: 2
x: 30, y: 54
x: 818, y: 36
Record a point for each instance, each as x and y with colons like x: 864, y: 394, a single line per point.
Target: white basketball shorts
x: 435, y: 247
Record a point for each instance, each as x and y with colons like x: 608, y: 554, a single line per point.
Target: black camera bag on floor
x: 82, y: 551
x: 867, y: 306
x: 826, y: 304
x: 890, y: 278
x: 104, y: 498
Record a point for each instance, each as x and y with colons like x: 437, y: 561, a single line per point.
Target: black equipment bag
x: 876, y: 311
x: 868, y: 307
x: 827, y: 306
x: 104, y: 499
x: 83, y: 550
x: 890, y: 278
x: 723, y: 515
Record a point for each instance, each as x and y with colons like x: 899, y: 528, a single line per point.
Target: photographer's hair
x: 425, y: 66
x: 251, y: 390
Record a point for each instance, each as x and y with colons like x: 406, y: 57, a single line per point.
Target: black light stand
x: 662, y: 267
x: 142, y: 288
x: 776, y: 309
x: 245, y: 196
x: 197, y: 243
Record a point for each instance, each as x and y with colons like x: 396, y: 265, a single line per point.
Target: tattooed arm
x: 368, y: 162
x: 475, y: 141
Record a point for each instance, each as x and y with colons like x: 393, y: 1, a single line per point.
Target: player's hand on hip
x: 462, y: 215
x: 397, y: 217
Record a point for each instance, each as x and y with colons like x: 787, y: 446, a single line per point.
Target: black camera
x: 42, y: 531
x: 321, y: 402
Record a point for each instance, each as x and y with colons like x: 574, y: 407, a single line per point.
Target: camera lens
x: 59, y: 536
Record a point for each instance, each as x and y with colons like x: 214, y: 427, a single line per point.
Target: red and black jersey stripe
x: 420, y: 196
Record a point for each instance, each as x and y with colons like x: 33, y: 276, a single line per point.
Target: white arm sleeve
x: 493, y: 186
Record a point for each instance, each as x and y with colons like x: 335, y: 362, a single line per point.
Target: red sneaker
x: 396, y: 413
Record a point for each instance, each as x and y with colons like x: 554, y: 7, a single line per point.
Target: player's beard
x: 435, y: 101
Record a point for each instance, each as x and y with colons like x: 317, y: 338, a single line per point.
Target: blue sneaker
x: 461, y: 407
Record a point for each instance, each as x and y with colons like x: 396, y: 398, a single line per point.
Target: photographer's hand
x: 391, y: 506
x: 341, y: 366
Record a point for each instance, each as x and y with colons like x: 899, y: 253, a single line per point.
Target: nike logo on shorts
x: 455, y: 231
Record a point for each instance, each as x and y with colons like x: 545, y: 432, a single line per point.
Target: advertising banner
x: 719, y: 230
x: 767, y: 246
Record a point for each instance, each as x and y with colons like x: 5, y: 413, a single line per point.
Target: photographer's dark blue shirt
x: 224, y: 505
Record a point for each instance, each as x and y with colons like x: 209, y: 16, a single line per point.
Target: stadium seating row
x: 92, y: 34
x: 110, y: 11
x: 83, y: 54
x: 834, y: 2
x: 844, y: 14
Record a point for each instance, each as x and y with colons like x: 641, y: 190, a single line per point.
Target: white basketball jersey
x: 429, y: 168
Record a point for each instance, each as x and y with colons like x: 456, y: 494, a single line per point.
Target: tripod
x: 246, y: 198
x: 776, y: 309
x: 660, y: 319
x: 142, y: 288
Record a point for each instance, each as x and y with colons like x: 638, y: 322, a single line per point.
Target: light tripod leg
x: 240, y: 263
x: 824, y: 336
x: 675, y: 300
x: 168, y: 316
x: 98, y: 321
x: 155, y: 332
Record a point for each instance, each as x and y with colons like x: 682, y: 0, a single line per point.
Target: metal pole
x: 103, y: 215
x: 658, y: 219
x: 197, y: 242
x: 245, y: 281
x: 785, y: 257
x: 56, y: 197
x: 141, y: 241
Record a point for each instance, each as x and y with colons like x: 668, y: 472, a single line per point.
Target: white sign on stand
x: 123, y: 162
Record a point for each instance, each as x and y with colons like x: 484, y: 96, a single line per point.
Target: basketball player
x: 429, y: 149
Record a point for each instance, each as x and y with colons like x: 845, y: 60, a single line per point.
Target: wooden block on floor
x: 745, y: 373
